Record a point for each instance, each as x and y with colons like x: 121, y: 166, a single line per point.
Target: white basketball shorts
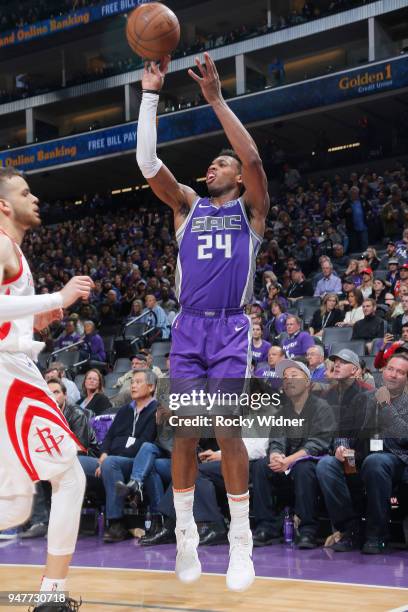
x: 36, y: 442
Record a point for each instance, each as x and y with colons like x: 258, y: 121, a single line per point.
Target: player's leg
x: 186, y: 369
x: 230, y: 357
x: 68, y: 491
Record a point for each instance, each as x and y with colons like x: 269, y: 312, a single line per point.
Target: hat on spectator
x: 346, y: 355
x: 349, y: 280
x: 390, y: 242
x: 380, y: 277
x: 138, y: 356
x: 393, y: 260
x: 291, y: 363
x: 367, y: 271
x: 404, y: 266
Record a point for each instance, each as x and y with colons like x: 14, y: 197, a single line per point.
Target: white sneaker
x: 241, y: 573
x: 188, y: 566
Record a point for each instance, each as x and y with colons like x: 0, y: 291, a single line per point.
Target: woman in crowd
x: 137, y: 309
x: 259, y: 346
x: 93, y: 343
x: 372, y: 259
x: 328, y: 315
x: 352, y: 271
x: 367, y: 285
x: 277, y: 323
x: 354, y: 311
x: 93, y: 397
x: 379, y: 290
x: 275, y: 295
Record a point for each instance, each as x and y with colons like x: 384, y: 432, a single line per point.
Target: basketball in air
x: 152, y: 31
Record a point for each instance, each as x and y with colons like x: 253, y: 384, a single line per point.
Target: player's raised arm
x: 159, y: 177
x: 17, y: 307
x: 253, y: 175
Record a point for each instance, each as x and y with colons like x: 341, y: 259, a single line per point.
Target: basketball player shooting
x: 36, y: 442
x: 218, y: 239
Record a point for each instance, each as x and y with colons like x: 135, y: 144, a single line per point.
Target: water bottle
x: 101, y: 523
x: 288, y: 527
x: 148, y: 521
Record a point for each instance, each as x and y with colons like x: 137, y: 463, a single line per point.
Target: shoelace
x: 239, y: 552
x: 187, y: 545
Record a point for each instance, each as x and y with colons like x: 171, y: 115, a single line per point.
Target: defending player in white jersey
x: 35, y: 440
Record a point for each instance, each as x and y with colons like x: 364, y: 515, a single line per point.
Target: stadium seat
x: 369, y: 361
x: 308, y: 301
x: 42, y: 360
x: 332, y: 335
x: 160, y: 362
x: 358, y: 346
x: 79, y: 379
x: 109, y: 343
x: 111, y: 379
x: 122, y: 365
x: 307, y: 314
x: 160, y: 348
x: 68, y: 358
x: 135, y: 330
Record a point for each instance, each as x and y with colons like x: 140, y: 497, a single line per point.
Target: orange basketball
x: 152, y: 31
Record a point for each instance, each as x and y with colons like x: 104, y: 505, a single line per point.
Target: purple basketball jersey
x: 217, y: 252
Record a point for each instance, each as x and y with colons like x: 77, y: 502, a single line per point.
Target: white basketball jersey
x: 17, y: 336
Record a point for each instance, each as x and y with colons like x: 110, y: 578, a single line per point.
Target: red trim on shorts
x: 5, y: 328
x: 19, y: 390
x: 14, y: 278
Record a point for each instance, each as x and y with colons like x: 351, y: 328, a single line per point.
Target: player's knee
x: 15, y: 511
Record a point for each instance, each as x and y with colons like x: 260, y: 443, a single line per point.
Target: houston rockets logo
x: 49, y: 443
x: 5, y: 328
x: 36, y: 404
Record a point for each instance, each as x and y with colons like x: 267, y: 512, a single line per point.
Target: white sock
x: 239, y: 510
x: 53, y: 584
x: 183, y: 504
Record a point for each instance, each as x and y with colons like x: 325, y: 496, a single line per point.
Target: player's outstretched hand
x: 154, y: 73
x: 78, y: 287
x: 43, y: 319
x: 209, y: 81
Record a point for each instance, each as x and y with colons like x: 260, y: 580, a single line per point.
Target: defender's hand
x: 154, y: 73
x: 209, y: 81
x: 43, y: 319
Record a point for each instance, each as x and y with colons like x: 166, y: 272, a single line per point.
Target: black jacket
x: 78, y: 422
x: 303, y: 289
x: 98, y: 404
x: 397, y: 326
x: 315, y: 436
x: 334, y: 317
x: 368, y: 328
x: 122, y: 428
x: 352, y: 416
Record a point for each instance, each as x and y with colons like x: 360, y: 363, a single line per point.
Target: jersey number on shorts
x: 222, y: 243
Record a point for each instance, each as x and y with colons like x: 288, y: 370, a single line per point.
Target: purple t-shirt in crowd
x: 64, y: 341
x: 260, y: 353
x: 297, y: 344
x: 96, y: 346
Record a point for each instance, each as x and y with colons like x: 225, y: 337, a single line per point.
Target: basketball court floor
x: 127, y: 577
